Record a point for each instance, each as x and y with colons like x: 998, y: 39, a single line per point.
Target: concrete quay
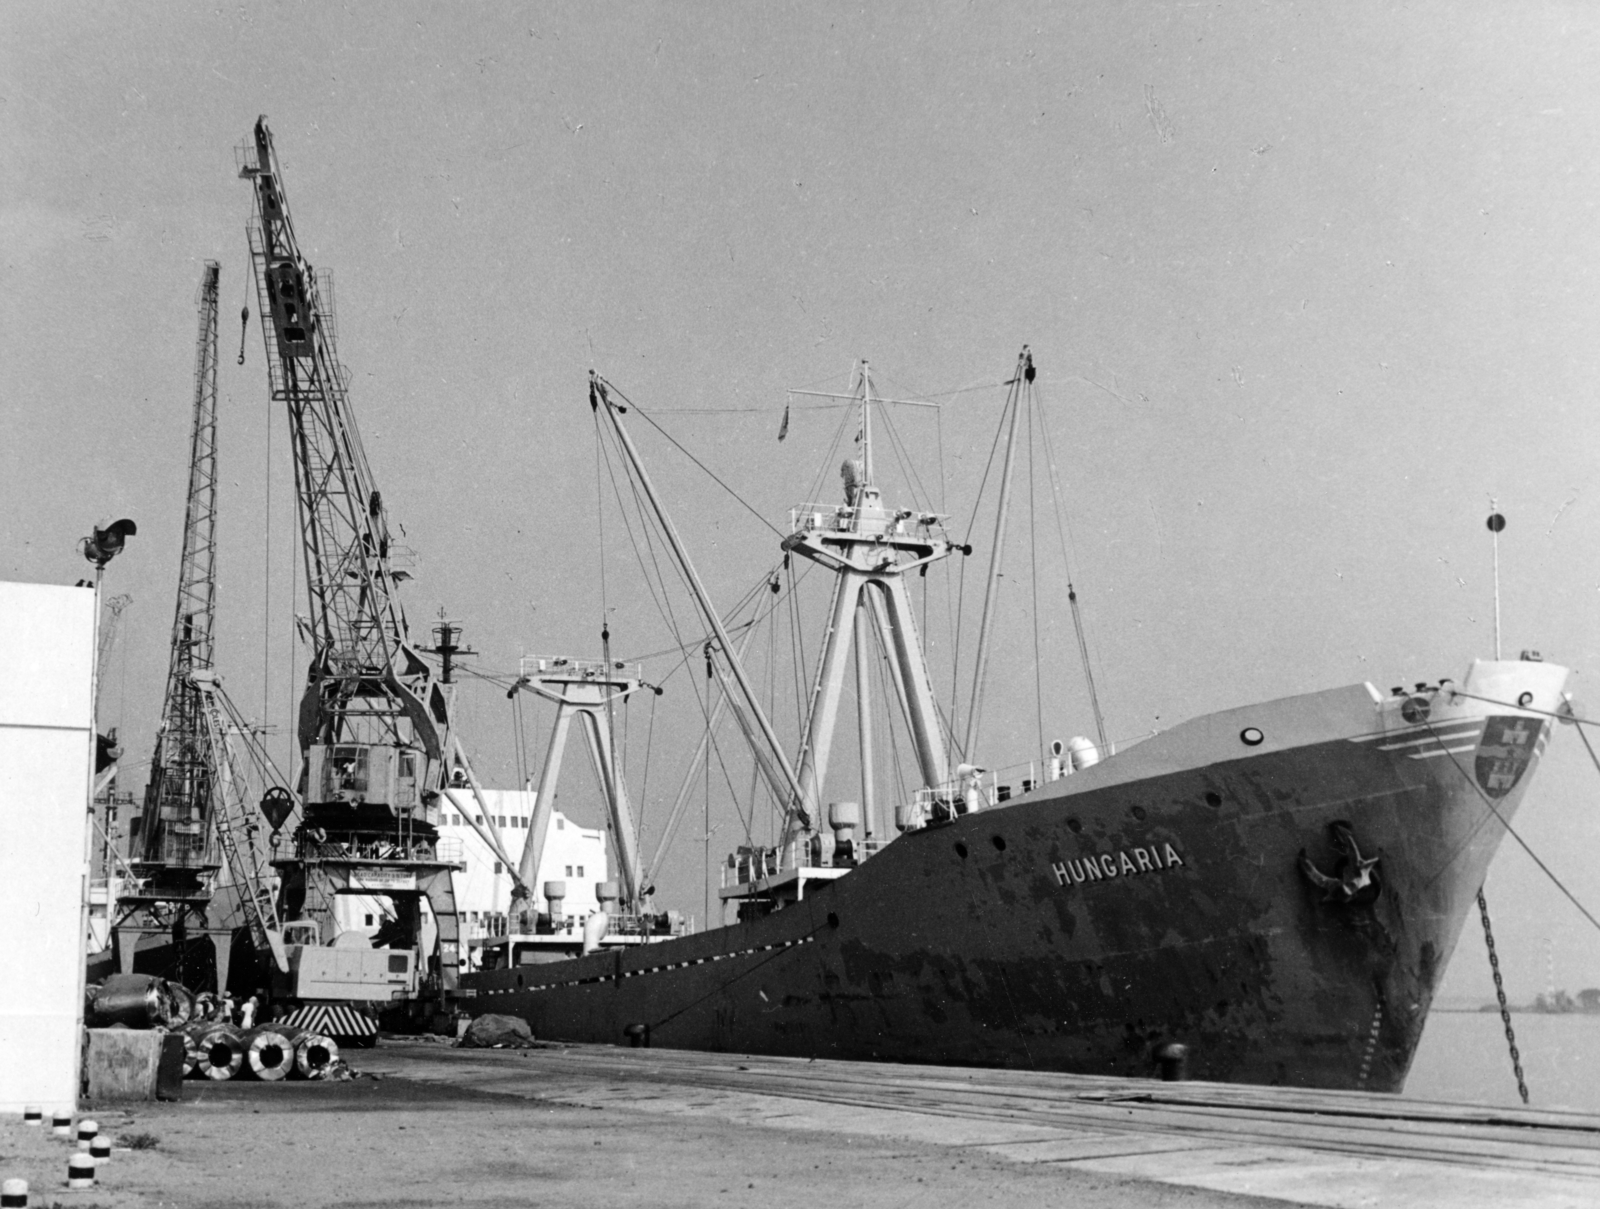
x: 581, y: 1126
x: 1341, y: 1149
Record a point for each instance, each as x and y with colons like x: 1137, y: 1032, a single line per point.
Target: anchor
x: 1353, y: 875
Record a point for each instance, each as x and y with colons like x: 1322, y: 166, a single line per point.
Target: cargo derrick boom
x: 374, y: 722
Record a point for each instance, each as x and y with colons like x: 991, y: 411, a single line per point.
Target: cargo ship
x: 1276, y: 889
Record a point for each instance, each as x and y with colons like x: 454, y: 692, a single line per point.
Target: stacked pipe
x: 220, y: 1051
x: 313, y: 1054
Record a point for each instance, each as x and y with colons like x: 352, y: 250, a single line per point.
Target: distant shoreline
x: 1521, y: 1010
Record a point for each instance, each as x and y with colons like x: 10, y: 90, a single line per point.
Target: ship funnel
x: 1083, y: 753
x: 556, y: 892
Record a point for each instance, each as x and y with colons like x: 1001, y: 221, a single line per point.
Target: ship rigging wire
x: 643, y: 541
x: 961, y: 588
x: 1506, y: 823
x: 1064, y: 535
x: 743, y: 503
x: 664, y: 606
x: 1035, y: 419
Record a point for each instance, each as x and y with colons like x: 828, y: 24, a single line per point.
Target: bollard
x: 61, y: 1125
x: 32, y: 1115
x: 1174, y: 1060
x: 80, y: 1171
x: 14, y: 1193
x: 100, y: 1149
x: 87, y: 1130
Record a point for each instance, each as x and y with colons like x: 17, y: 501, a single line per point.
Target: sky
x: 1307, y: 289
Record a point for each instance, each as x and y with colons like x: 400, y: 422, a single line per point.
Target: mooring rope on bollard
x: 1500, y: 993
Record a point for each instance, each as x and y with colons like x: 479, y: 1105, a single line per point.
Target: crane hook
x: 244, y: 323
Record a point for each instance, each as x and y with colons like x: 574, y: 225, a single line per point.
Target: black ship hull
x: 1278, y: 888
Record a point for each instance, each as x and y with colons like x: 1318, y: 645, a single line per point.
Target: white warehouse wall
x: 46, y: 761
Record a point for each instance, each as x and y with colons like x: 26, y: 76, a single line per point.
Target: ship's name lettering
x: 1126, y: 862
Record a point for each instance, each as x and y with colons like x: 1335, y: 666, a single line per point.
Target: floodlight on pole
x: 102, y: 545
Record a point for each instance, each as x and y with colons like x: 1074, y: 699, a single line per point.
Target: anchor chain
x: 1500, y: 993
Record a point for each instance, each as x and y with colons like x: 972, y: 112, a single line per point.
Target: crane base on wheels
x: 386, y: 978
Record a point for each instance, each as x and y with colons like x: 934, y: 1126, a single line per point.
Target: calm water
x: 1463, y: 1057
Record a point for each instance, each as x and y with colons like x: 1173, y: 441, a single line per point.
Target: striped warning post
x: 341, y: 1023
x: 80, y: 1171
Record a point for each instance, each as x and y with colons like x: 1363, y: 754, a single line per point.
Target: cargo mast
x: 374, y: 723
x: 870, y: 548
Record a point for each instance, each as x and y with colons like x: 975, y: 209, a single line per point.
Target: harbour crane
x: 175, y: 860
x: 375, y: 722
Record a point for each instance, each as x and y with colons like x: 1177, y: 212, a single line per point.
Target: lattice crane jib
x: 175, y: 852
x: 374, y: 720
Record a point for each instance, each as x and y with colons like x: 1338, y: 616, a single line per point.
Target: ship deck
x: 1294, y: 1145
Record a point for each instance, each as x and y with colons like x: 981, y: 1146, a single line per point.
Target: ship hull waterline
x: 1279, y: 889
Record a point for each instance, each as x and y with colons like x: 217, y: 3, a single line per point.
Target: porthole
x: 1138, y: 813
x: 999, y: 843
x: 1213, y: 798
x: 1251, y: 737
x: 1525, y: 700
x: 1074, y: 826
x: 961, y: 850
x: 833, y: 920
